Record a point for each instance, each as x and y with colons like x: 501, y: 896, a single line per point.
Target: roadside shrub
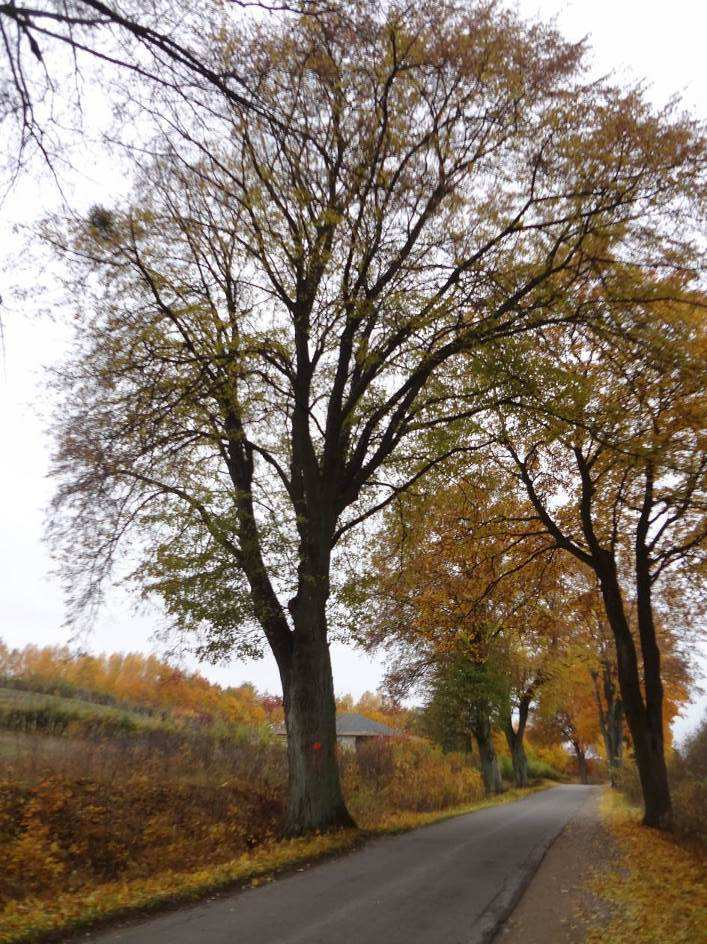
x: 537, y: 769
x: 690, y: 808
x: 687, y: 770
x: 628, y: 782
x: 506, y: 766
x: 541, y: 770
x: 408, y: 774
x: 688, y: 779
x: 554, y: 755
x: 67, y: 834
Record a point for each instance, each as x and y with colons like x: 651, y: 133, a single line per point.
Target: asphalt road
x: 450, y: 883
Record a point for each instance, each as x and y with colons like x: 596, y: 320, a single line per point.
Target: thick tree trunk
x: 490, y: 771
x: 315, y: 800
x: 647, y: 742
x: 520, y: 763
x: 514, y: 739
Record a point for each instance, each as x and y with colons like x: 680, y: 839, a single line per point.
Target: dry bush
x: 688, y: 777
x: 67, y: 834
x: 551, y: 761
x: 76, y: 813
x: 249, y: 755
x: 629, y: 783
x: 406, y: 774
x: 687, y: 769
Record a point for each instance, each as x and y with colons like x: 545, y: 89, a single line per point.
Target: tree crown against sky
x: 271, y: 331
x: 424, y: 166
x: 56, y: 56
x: 616, y: 416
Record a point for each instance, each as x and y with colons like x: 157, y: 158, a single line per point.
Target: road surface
x: 450, y: 883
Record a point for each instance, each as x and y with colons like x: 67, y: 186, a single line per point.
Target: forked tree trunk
x: 483, y: 735
x: 515, y: 740
x: 520, y: 762
x: 644, y: 719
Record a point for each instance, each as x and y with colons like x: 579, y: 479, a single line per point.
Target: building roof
x: 350, y: 723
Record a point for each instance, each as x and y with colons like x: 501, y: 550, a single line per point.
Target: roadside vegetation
x: 687, y: 770
x: 656, y: 888
x: 393, y: 332
x: 152, y: 788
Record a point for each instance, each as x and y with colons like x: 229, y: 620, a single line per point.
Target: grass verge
x: 657, y: 894
x: 33, y: 920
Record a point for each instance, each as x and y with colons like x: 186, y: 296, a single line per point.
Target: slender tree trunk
x: 647, y: 745
x: 614, y: 741
x: 490, y: 771
x: 610, y: 710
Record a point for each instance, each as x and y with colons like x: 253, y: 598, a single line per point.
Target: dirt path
x: 557, y: 907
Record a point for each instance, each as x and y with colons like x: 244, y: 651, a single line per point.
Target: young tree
x: 463, y: 694
x: 286, y: 302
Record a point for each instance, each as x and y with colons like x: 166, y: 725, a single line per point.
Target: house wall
x: 347, y: 741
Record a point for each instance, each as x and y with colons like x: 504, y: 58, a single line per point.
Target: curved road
x: 450, y: 883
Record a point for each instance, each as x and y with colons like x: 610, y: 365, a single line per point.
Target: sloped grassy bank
x: 36, y: 919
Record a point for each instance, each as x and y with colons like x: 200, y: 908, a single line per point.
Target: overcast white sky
x: 660, y: 41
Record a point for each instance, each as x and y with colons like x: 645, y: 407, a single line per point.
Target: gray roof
x: 351, y: 723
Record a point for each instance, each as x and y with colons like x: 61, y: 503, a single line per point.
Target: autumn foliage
x: 121, y: 772
x: 138, y: 680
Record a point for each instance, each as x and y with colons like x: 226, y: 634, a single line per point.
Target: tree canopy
x: 275, y: 334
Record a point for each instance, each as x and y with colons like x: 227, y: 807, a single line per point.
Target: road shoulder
x: 558, y: 906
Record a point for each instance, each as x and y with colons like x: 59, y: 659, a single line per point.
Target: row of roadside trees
x: 499, y: 634
x: 432, y: 250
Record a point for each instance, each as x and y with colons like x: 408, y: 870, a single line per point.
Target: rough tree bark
x: 514, y: 738
x: 647, y: 739
x: 315, y: 800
